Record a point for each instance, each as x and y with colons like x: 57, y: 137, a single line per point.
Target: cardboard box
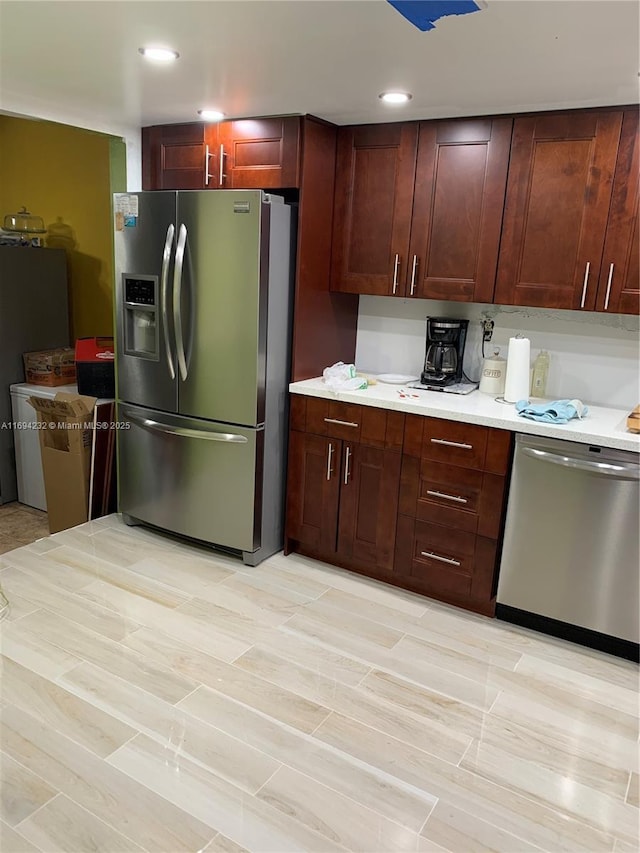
x: 50, y: 367
x: 65, y: 429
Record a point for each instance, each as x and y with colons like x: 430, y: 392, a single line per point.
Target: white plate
x: 395, y: 378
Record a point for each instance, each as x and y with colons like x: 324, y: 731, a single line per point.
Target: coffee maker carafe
x: 445, y: 348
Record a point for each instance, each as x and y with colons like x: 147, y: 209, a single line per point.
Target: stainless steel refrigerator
x: 203, y: 302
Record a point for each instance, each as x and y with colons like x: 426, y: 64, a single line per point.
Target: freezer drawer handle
x: 621, y: 472
x: 452, y: 443
x: 164, y: 296
x: 448, y: 560
x: 177, y: 301
x: 340, y: 423
x: 147, y: 423
x: 455, y: 498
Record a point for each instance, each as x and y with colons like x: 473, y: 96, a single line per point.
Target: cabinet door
x: 619, y: 288
x: 558, y: 193
x: 173, y: 157
x: 259, y: 153
x: 461, y: 177
x: 370, y: 480
x: 372, y: 216
x: 313, y: 488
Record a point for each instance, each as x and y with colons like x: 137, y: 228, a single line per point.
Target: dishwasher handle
x: 607, y: 469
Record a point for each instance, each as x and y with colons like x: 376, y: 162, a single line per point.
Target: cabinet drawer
x: 366, y: 425
x: 329, y: 417
x: 446, y: 562
x: 452, y: 496
x: 454, y: 443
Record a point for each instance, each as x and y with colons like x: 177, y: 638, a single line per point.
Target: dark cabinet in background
x: 261, y: 153
x: 173, y: 157
x: 558, y: 196
x: 255, y: 153
x: 619, y: 285
x: 372, y: 215
x: 426, y: 227
x: 458, y: 200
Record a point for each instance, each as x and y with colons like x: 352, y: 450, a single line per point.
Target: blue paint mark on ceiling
x: 424, y: 13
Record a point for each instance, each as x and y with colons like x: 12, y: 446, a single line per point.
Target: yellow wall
x: 64, y: 175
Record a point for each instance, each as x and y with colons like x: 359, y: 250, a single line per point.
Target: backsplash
x: 594, y: 357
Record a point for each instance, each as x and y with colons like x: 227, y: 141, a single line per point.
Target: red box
x: 95, y: 367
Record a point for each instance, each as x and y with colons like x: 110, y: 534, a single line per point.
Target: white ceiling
x: 79, y: 62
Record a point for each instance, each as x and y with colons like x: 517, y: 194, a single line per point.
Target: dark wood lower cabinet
x: 368, y: 505
x: 447, y: 563
x: 313, y: 491
x: 418, y: 502
x: 342, y: 500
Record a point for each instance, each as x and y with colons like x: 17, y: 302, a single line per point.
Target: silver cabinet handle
x: 340, y: 423
x: 396, y: 265
x: 586, y: 281
x: 414, y: 267
x: 177, y: 303
x: 329, y: 458
x: 347, y: 473
x: 156, y: 426
x: 455, y: 498
x: 222, y: 174
x: 164, y: 297
x: 440, y: 559
x: 609, y: 280
x: 207, y: 174
x: 452, y: 443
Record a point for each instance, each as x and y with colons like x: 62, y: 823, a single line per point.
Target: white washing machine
x: 27, y: 443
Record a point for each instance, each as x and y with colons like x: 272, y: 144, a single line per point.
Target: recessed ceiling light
x: 211, y: 115
x: 395, y: 97
x: 159, y: 54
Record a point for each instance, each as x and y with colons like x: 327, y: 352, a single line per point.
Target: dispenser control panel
x: 140, y: 291
x: 141, y: 316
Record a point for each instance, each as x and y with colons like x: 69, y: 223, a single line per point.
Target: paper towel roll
x: 516, y: 384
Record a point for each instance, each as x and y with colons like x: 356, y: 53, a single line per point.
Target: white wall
x: 594, y: 357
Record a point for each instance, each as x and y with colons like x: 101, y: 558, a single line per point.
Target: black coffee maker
x: 445, y: 347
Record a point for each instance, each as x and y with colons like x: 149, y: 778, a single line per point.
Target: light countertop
x: 601, y: 426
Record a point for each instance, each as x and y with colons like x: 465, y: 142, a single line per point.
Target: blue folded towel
x: 558, y: 412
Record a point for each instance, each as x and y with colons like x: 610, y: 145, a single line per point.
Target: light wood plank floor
x: 160, y: 697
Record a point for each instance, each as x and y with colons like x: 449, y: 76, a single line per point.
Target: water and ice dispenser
x: 141, y: 316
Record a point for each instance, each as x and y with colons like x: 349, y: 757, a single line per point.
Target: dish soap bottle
x: 540, y: 374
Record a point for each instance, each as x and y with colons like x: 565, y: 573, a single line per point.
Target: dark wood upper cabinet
x: 258, y: 153
x: 458, y: 202
x: 372, y: 217
x: 261, y: 153
x: 558, y: 194
x: 173, y: 157
x: 619, y: 286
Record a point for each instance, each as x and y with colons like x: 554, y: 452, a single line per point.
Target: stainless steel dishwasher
x: 570, y: 560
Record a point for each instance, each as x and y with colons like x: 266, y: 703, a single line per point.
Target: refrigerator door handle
x: 156, y: 426
x: 164, y: 297
x: 177, y: 301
